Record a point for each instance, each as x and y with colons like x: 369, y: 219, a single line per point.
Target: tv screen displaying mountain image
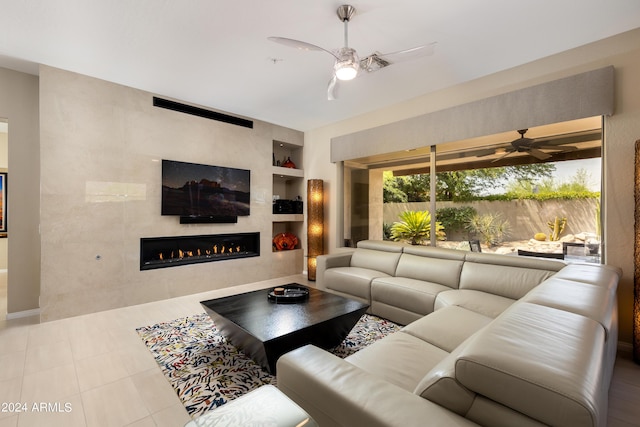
x: 195, y: 190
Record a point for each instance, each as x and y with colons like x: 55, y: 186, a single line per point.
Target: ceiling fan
x: 347, y: 63
x: 532, y: 147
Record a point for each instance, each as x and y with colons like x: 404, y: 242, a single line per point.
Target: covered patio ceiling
x: 577, y: 139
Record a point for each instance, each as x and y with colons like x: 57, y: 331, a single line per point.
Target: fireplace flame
x: 215, y: 250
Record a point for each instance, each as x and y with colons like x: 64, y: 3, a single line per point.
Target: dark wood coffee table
x: 265, y: 330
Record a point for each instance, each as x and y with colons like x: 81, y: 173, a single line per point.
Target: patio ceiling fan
x: 533, y: 147
x: 347, y: 63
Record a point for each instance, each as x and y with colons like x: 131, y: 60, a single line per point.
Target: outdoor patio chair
x: 540, y: 254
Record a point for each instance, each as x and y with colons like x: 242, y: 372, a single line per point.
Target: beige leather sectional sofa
x: 489, y: 339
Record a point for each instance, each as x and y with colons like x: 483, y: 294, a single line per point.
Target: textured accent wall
x: 101, y: 146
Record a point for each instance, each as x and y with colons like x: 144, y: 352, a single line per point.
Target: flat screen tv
x: 204, y: 191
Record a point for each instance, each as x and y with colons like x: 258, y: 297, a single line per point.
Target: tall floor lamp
x: 315, y: 224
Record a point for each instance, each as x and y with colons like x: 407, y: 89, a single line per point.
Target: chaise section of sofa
x: 491, y: 340
x: 337, y: 393
x: 532, y: 365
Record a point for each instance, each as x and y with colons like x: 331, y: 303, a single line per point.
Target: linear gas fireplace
x: 161, y: 252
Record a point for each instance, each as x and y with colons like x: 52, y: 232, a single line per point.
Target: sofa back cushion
x: 539, y: 361
x: 595, y: 274
x: 440, y: 386
x: 377, y: 255
x: 510, y: 277
x: 436, y: 270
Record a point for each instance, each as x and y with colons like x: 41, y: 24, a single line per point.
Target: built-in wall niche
x: 286, y: 151
x: 288, y: 185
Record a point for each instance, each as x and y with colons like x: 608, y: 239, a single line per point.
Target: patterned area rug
x: 206, y: 371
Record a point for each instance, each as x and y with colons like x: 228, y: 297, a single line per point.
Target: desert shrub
x: 491, y: 227
x: 455, y: 219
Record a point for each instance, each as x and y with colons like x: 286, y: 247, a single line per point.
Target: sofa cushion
x: 353, y: 281
x: 447, y: 328
x: 507, y: 281
x: 383, y: 261
x: 489, y: 305
x: 532, y: 263
x: 581, y: 298
x: 399, y: 358
x: 601, y: 275
x: 440, y: 386
x: 381, y: 245
x: 539, y: 361
x: 437, y: 270
x: 413, y: 295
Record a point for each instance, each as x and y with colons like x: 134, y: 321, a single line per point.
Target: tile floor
x: 94, y: 370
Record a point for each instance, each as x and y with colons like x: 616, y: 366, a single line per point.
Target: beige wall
x: 19, y: 106
x: 96, y: 134
x: 621, y: 131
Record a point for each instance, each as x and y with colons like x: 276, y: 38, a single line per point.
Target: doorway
x: 4, y: 165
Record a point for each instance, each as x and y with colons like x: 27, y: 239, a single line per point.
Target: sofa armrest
x: 324, y: 262
x: 337, y: 393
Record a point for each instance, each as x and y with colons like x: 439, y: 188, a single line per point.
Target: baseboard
x: 21, y: 314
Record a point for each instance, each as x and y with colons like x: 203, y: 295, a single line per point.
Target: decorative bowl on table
x: 290, y: 293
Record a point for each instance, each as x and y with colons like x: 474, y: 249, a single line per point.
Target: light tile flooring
x: 94, y: 370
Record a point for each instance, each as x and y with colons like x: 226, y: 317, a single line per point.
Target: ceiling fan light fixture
x: 347, y: 64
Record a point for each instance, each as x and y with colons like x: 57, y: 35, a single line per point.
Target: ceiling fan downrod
x: 345, y: 12
x: 347, y: 62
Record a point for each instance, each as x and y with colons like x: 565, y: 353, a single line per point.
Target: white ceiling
x: 216, y: 53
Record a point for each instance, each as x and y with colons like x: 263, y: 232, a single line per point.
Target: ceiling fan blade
x: 503, y: 156
x: 538, y: 154
x: 405, y: 54
x: 332, y: 89
x: 376, y: 61
x: 300, y: 45
x: 556, y: 147
x: 485, y: 153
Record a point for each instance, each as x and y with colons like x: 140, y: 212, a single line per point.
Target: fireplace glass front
x: 161, y: 252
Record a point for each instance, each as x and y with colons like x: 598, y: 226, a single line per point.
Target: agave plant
x: 415, y: 227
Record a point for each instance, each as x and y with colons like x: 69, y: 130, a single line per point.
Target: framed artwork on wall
x: 3, y: 204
